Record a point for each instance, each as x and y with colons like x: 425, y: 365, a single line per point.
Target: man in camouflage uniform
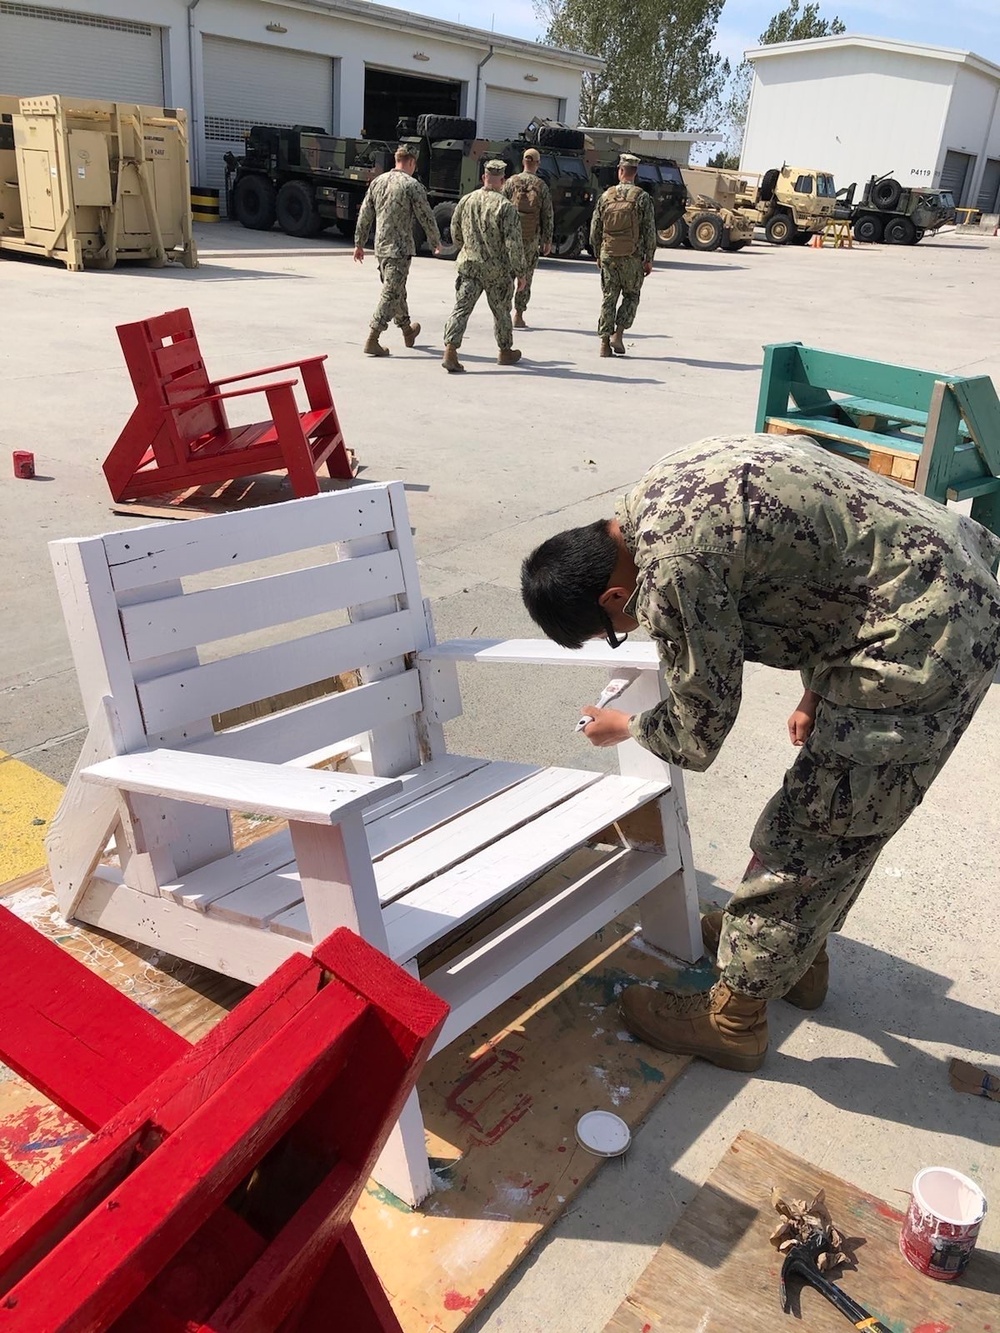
x: 486, y: 226
x: 768, y: 549
x: 530, y: 196
x: 625, y: 258
x: 394, y: 201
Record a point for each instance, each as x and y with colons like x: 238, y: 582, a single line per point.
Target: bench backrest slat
x: 166, y: 368
x: 854, y: 375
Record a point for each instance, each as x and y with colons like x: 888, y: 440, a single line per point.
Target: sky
x: 969, y: 25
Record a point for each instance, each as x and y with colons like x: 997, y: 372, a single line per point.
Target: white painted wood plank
x: 497, y: 967
x: 423, y: 780
x: 294, y: 923
x: 308, y: 794
x: 194, y: 618
x: 338, y: 886
x: 294, y: 735
x: 428, y: 856
x: 638, y: 655
x: 258, y: 901
x: 159, y: 551
x: 201, y: 691
x: 461, y: 893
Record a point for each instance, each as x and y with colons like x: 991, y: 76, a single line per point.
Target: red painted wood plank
x: 350, y: 1286
x: 12, y: 1184
x: 86, y: 1046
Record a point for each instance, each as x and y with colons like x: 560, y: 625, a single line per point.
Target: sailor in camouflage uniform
x: 531, y: 197
x: 770, y: 549
x: 394, y: 202
x: 624, y: 259
x: 486, y: 226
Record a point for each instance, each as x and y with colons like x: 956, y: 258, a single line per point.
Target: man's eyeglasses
x: 614, y: 639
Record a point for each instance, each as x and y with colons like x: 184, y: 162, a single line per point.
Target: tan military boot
x: 373, y: 347
x: 409, y: 332
x: 605, y: 347
x: 617, y: 346
x: 509, y: 356
x: 450, y: 359
x: 519, y: 320
x: 720, y: 1025
x: 809, y: 991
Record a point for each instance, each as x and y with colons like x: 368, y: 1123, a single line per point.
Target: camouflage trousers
x: 532, y: 251
x: 472, y: 280
x: 855, y: 782
x: 392, y: 302
x: 620, y: 277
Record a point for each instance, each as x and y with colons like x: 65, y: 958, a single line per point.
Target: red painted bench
x: 216, y: 1191
x: 179, y: 436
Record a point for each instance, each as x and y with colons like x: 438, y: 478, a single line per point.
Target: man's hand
x: 359, y: 254
x: 547, y: 248
x: 437, y: 248
x: 521, y: 284
x: 647, y: 267
x: 609, y: 726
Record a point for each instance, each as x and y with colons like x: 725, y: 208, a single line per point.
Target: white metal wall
x: 507, y: 112
x: 247, y: 84
x: 45, y: 51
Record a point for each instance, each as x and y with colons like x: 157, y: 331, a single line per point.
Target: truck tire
x: 779, y: 229
x: 568, y: 246
x: 868, y: 229
x: 442, y: 216
x: 705, y: 231
x: 430, y: 126
x: 730, y: 246
x: 253, y: 203
x: 886, y: 194
x: 768, y: 181
x: 673, y: 236
x: 900, y: 231
x: 560, y: 136
x: 296, y: 208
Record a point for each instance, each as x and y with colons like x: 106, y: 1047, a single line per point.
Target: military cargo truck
x: 710, y: 220
x: 893, y: 213
x: 792, y: 204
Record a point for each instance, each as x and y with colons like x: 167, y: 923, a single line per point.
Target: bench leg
x: 403, y: 1168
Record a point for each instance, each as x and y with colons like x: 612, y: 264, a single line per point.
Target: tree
x: 661, y: 71
x: 724, y: 161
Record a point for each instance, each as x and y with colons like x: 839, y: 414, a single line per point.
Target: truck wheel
x: 918, y: 235
x: 673, y: 236
x: 705, y: 231
x: 442, y: 216
x: 732, y: 246
x: 561, y: 136
x: 779, y: 229
x: 768, y: 181
x: 900, y: 231
x: 445, y: 127
x: 868, y: 229
x: 803, y: 237
x: 885, y: 194
x: 569, y: 246
x: 253, y: 203
x: 297, y: 215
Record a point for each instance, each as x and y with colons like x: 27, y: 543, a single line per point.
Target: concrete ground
x: 495, y: 461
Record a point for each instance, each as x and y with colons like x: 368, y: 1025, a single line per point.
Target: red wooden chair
x: 216, y: 1192
x: 178, y: 434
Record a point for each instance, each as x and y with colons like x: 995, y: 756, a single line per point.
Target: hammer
x: 800, y: 1261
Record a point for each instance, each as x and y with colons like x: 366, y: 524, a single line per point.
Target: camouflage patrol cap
x: 496, y: 167
x: 531, y: 155
x: 628, y: 160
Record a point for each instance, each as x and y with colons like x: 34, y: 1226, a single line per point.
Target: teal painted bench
x: 935, y: 432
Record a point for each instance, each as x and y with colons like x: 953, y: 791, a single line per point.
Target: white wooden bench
x: 173, y: 624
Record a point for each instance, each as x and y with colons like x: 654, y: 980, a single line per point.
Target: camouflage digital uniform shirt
x: 393, y: 202
x: 647, y: 222
x: 487, y: 228
x: 543, y: 236
x: 762, y: 548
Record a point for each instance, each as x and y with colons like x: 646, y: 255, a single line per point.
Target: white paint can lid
x: 603, y: 1133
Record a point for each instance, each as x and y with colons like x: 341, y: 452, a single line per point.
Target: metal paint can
x: 24, y: 463
x: 942, y: 1223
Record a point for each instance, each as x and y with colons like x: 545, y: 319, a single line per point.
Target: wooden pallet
x: 224, y: 497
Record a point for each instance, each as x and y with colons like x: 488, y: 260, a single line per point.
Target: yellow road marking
x: 26, y: 796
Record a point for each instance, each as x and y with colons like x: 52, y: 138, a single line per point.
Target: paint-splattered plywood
x: 500, y: 1104
x: 716, y: 1272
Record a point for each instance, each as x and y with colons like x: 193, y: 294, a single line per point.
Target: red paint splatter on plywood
x: 933, y: 1328
x: 454, y: 1300
x: 486, y: 1100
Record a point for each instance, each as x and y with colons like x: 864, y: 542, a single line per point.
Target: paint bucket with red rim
x: 24, y: 463
x: 942, y: 1223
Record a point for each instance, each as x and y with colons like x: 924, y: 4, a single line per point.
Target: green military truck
x: 890, y: 212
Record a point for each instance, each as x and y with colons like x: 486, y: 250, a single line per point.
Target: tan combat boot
x: 617, y: 346
x: 519, y: 320
x: 720, y: 1025
x: 373, y: 347
x: 409, y: 332
x: 809, y: 991
x: 605, y: 347
x: 509, y: 356
x: 450, y: 359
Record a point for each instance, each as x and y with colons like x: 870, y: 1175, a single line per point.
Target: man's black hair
x: 562, y: 579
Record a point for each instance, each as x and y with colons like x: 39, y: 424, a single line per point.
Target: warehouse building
x: 858, y: 106
x: 345, y: 65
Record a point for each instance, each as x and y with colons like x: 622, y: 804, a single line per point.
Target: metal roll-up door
x: 45, y: 51
x: 247, y: 84
x: 507, y: 112
x: 955, y: 173
x: 989, y: 189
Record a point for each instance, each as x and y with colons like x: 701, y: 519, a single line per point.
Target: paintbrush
x: 611, y: 691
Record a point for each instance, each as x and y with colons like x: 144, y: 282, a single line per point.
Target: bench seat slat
x: 835, y: 430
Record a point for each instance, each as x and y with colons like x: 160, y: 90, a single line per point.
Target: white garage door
x: 45, y: 51
x: 508, y: 112
x: 246, y: 85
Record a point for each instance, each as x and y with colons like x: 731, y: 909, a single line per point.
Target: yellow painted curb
x: 28, y: 800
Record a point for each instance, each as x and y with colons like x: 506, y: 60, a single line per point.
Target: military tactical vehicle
x: 711, y: 220
x: 893, y: 213
x: 792, y: 204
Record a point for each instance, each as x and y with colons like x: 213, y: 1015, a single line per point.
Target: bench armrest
x: 309, y: 795
x: 184, y: 405
x: 270, y: 370
x: 634, y: 656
